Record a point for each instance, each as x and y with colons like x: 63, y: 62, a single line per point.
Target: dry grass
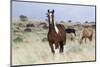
x: 33, y: 50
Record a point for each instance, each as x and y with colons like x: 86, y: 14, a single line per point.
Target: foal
x: 56, y: 34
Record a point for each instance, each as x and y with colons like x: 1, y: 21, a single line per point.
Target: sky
x: 37, y: 11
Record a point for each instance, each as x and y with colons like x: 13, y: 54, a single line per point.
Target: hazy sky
x: 37, y: 11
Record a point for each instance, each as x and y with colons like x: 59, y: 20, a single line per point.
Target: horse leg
x: 61, y: 47
x: 74, y: 33
x: 90, y: 38
x: 56, y: 45
x: 85, y: 40
x: 51, y: 46
x: 72, y: 38
x: 81, y: 39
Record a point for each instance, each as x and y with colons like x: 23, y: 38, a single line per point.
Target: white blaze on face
x: 50, y: 18
x: 56, y: 29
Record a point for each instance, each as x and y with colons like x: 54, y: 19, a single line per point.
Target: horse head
x: 50, y: 16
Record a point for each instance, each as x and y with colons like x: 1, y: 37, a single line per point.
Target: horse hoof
x: 60, y: 51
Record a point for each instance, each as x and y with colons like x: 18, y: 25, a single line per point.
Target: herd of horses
x: 57, y: 33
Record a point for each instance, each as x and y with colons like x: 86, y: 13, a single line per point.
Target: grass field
x: 33, y: 48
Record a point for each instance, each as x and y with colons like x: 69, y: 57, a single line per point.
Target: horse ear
x: 48, y: 10
x: 53, y: 10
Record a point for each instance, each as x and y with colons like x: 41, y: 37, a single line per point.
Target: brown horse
x: 87, y: 33
x: 56, y: 34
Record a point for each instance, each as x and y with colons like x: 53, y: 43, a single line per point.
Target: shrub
x: 23, y: 18
x: 18, y: 39
x: 44, y: 39
x: 27, y: 30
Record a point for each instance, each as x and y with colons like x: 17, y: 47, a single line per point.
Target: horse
x: 87, y: 33
x: 56, y: 34
x: 70, y: 30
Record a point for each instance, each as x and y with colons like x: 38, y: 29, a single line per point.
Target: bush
x: 18, y: 39
x: 44, y: 40
x: 27, y: 30
x: 23, y: 18
x: 30, y: 25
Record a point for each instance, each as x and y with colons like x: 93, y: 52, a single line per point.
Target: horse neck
x: 52, y: 25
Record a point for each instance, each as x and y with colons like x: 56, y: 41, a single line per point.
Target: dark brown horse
x: 56, y: 34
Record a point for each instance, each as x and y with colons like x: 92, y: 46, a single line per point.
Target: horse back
x: 62, y: 32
